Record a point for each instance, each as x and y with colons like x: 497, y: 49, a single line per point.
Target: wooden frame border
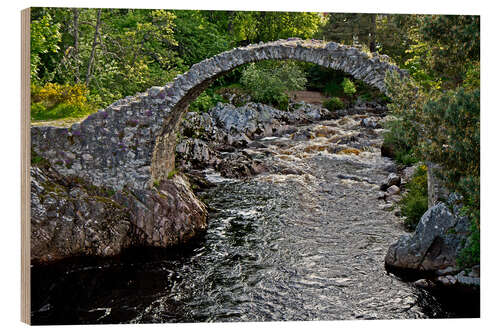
x: 25, y: 168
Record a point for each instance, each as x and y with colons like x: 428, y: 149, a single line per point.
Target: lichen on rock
x: 432, y: 250
x: 71, y: 217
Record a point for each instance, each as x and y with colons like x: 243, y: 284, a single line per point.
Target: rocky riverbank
x: 72, y: 217
x: 429, y: 256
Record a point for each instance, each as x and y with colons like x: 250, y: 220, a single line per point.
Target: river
x: 303, y: 241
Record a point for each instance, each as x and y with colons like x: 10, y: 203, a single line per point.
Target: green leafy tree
x: 394, y: 35
x: 197, y: 37
x: 352, y: 29
x: 404, y: 125
x: 268, y: 81
x: 45, y: 38
x: 253, y: 27
x: 442, y: 48
x: 451, y: 139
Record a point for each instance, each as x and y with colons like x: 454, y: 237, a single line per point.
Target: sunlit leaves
x: 251, y: 27
x: 268, y: 81
x: 45, y: 36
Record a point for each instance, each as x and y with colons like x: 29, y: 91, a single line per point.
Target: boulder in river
x: 388, y: 149
x: 434, y: 247
x: 391, y: 180
x: 370, y: 122
x: 393, y: 190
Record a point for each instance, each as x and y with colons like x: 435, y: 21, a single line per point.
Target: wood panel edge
x: 25, y: 168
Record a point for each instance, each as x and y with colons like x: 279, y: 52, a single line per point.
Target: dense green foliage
x: 254, y: 27
x: 470, y: 255
x: 436, y: 113
x: 405, y: 109
x: 453, y: 139
x: 414, y: 202
x: 199, y: 35
x: 333, y: 104
x: 267, y: 81
x: 207, y: 100
x: 45, y: 38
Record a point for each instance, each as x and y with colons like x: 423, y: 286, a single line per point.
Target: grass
x: 60, y: 111
x: 171, y: 174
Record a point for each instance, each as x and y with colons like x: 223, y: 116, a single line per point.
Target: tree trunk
x: 373, y: 30
x: 75, y: 45
x: 94, y: 44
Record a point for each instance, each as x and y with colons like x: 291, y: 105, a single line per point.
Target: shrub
x: 414, y: 201
x: 400, y: 143
x: 172, y: 173
x: 268, y: 81
x: 470, y: 254
x: 349, y: 87
x: 52, y: 94
x: 56, y: 101
x: 207, y: 100
x: 452, y: 140
x: 281, y: 101
x: 333, y: 104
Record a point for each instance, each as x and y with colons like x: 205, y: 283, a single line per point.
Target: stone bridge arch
x: 132, y: 142
x: 187, y: 87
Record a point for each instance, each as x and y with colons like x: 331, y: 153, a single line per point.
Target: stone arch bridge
x: 132, y: 142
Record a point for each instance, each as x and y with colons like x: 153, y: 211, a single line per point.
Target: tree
x: 115, y: 52
x: 198, y: 37
x: 351, y: 29
x: 268, y: 81
x: 443, y: 47
x: 254, y: 27
x: 393, y: 35
x: 45, y: 38
x: 88, y: 77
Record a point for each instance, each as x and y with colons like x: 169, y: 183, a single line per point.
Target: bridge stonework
x: 132, y: 142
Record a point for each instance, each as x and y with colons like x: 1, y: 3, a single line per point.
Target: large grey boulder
x: 71, y: 217
x: 435, y: 245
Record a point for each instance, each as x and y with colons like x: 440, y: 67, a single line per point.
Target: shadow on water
x: 86, y: 290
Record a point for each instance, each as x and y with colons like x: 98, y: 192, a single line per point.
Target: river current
x: 303, y: 241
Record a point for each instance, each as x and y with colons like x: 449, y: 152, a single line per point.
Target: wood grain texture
x: 25, y: 167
